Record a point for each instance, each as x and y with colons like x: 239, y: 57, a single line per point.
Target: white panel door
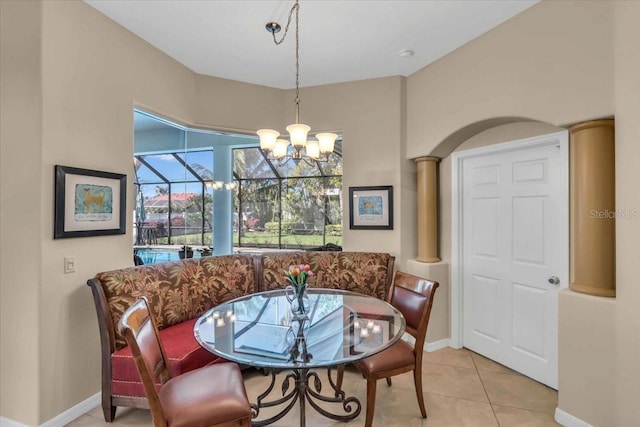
x: 514, y: 238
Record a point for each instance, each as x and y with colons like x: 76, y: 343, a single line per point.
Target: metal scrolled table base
x: 302, y: 393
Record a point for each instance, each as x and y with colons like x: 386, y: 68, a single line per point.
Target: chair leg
x: 389, y: 381
x: 109, y: 411
x: 339, y: 378
x: 417, y: 379
x: 371, y: 401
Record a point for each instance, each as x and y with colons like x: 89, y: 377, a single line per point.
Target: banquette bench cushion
x: 367, y: 273
x: 179, y: 292
x: 183, y: 355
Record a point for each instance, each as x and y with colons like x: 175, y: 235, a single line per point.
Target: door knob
x: 554, y: 280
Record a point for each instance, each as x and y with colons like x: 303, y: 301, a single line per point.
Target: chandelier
x: 221, y: 185
x: 311, y: 151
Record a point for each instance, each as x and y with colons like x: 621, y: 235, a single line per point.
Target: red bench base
x: 184, y: 354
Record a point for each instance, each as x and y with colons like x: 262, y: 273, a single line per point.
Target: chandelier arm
x: 311, y: 162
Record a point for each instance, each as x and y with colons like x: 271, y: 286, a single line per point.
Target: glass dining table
x: 338, y: 327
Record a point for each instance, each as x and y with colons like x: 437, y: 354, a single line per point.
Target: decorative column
x: 427, y: 209
x: 593, y: 208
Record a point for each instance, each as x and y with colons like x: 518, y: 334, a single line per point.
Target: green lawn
x: 261, y: 238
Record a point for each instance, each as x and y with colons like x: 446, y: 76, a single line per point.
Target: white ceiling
x: 340, y: 40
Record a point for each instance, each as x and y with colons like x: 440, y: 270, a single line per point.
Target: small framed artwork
x: 371, y: 208
x: 369, y: 332
x: 88, y: 203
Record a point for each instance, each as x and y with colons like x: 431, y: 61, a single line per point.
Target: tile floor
x: 461, y: 388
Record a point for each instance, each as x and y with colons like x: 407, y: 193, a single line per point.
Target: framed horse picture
x: 371, y: 208
x: 88, y: 203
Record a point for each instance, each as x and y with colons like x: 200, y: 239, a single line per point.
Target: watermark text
x: 614, y: 214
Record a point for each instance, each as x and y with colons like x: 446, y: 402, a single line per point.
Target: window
x: 183, y: 196
x: 287, y: 206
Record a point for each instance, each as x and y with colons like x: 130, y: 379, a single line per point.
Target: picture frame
x: 383, y: 325
x: 88, y: 203
x: 371, y: 208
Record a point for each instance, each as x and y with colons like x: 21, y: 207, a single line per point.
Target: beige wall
x: 586, y: 346
x: 552, y: 63
x: 228, y: 105
x: 20, y: 207
x: 627, y: 109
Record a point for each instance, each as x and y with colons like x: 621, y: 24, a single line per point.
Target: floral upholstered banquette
x: 363, y: 272
x: 179, y: 292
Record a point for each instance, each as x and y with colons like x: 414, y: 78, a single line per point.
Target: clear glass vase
x: 298, y: 299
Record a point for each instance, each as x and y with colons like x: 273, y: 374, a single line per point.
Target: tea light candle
x: 220, y: 322
x: 216, y: 315
x: 209, y: 319
x: 376, y: 329
x: 356, y: 324
x: 364, y: 332
x: 229, y: 313
x: 233, y: 318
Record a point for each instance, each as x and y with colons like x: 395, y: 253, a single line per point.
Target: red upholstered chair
x: 210, y: 396
x: 413, y: 297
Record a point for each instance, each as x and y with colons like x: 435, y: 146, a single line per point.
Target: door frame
x: 560, y: 139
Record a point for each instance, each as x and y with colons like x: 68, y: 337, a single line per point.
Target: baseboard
x: 64, y: 418
x: 568, y: 420
x: 6, y: 422
x: 74, y: 412
x: 436, y: 345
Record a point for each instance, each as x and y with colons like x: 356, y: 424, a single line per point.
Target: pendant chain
x: 296, y: 8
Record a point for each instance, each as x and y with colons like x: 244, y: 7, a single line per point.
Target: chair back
x: 141, y: 333
x: 413, y: 297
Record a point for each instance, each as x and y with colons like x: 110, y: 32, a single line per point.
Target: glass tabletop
x: 259, y: 329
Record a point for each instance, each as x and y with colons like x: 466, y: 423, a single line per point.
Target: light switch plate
x: 69, y: 264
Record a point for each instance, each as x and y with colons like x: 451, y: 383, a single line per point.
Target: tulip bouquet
x: 297, y: 275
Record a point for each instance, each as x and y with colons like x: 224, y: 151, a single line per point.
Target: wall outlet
x: 69, y: 264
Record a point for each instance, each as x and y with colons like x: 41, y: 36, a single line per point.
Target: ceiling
x: 340, y: 40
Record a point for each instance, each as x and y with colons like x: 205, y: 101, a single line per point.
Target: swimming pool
x: 164, y: 253
x: 157, y: 255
